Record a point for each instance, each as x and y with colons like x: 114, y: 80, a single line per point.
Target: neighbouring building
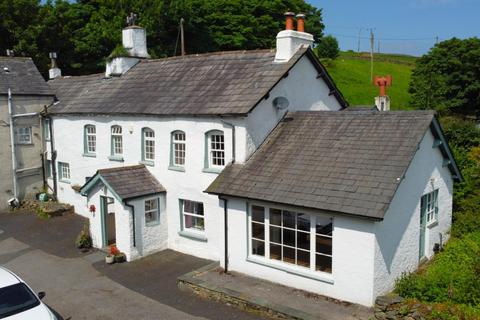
x: 252, y: 158
x: 21, y: 170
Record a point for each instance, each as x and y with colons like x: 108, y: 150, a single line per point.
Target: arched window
x: 90, y: 140
x: 215, y: 146
x: 148, y: 144
x: 178, y: 149
x: 117, y: 141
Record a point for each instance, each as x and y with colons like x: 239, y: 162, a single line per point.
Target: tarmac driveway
x: 80, y: 285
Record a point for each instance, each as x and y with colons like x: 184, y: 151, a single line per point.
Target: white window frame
x: 23, y: 135
x: 148, y: 143
x: 64, y: 171
x: 90, y: 139
x: 193, y: 215
x: 179, y: 148
x: 117, y: 140
x: 310, y: 271
x: 48, y: 168
x: 216, y: 154
x: 154, y: 210
x: 431, y: 206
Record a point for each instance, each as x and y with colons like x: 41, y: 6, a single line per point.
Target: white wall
x: 397, y: 236
x: 352, y: 265
x: 68, y: 135
x: 304, y: 92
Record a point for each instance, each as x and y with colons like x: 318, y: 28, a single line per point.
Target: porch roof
x: 125, y: 182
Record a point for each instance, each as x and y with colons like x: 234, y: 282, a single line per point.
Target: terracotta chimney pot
x: 300, y: 22
x: 289, y: 20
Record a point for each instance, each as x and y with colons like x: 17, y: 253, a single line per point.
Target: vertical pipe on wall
x: 12, y: 142
x: 225, y: 220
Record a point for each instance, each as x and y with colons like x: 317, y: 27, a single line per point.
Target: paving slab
x: 270, y: 298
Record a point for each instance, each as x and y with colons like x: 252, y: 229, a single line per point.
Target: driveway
x: 81, y: 286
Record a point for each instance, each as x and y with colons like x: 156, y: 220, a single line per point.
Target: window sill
x: 212, y: 170
x: 116, y: 158
x: 24, y: 144
x: 147, y: 163
x: 152, y: 224
x: 314, y: 275
x: 89, y: 155
x: 64, y: 181
x: 193, y: 235
x: 432, y: 224
x: 176, y: 168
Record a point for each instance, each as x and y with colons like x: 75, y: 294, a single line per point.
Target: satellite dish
x: 280, y: 103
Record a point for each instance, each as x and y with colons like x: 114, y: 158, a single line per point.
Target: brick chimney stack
x: 290, y: 40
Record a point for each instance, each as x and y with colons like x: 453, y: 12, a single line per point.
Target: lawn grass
x: 351, y: 72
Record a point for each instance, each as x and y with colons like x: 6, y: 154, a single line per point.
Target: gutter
x: 52, y: 151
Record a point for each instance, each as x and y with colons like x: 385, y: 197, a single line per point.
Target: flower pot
x: 110, y: 259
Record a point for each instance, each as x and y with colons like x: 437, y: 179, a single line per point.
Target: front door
x: 108, y: 221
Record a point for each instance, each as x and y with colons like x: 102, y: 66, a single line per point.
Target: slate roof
x: 127, y: 182
x: 221, y: 83
x: 23, y: 77
x: 339, y: 161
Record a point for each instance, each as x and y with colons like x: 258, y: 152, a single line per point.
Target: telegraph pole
x: 372, y: 47
x: 182, y: 36
x: 359, y: 36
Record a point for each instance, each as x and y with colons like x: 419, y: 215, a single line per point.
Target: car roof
x: 7, y: 278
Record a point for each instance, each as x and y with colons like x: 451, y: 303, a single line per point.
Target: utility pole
x: 372, y: 47
x: 182, y: 36
x: 359, y: 37
x: 378, y: 46
x: 436, y: 40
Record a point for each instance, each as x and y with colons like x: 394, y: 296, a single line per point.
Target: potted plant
x: 110, y: 258
x: 120, y: 257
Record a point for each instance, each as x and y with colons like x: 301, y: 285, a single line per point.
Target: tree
x: 85, y: 32
x: 447, y: 78
x: 328, y: 48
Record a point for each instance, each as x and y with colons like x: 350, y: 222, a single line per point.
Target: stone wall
x: 393, y: 306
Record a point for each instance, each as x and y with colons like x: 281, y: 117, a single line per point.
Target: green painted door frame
x: 103, y: 212
x: 423, y: 229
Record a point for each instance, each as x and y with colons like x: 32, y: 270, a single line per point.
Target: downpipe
x: 13, y: 203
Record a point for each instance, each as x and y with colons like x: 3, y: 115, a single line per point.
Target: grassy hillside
x: 351, y: 72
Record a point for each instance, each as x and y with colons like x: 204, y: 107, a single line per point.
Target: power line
x: 382, y: 39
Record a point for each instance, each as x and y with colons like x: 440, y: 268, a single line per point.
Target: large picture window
x: 291, y: 237
x: 193, y: 215
x: 90, y: 139
x: 148, y: 144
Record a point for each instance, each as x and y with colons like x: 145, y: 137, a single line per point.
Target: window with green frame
x: 46, y: 129
x: 90, y: 139
x: 429, y: 206
x: 178, y: 149
x: 214, y: 149
x: 148, y: 145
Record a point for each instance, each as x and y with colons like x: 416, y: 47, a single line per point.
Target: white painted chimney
x: 289, y: 40
x: 134, y: 40
x: 54, y: 71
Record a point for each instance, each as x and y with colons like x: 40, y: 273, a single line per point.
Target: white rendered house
x: 176, y: 153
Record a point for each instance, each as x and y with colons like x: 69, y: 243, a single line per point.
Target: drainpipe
x: 44, y: 176
x: 52, y: 151
x: 12, y: 142
x: 133, y: 221
x: 231, y: 125
x: 225, y: 219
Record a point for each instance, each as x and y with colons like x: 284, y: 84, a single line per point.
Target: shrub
x: 327, y: 48
x: 84, y: 241
x: 452, y: 276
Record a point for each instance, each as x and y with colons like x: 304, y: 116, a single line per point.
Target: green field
x: 351, y: 72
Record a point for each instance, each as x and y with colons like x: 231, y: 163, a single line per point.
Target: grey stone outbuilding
x: 22, y: 84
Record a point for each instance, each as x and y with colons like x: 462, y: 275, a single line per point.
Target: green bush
x: 453, y: 275
x: 84, y: 241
